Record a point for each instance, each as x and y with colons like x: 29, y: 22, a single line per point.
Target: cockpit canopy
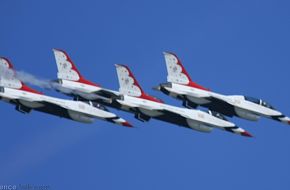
x: 217, y: 114
x: 259, y: 102
x: 94, y: 104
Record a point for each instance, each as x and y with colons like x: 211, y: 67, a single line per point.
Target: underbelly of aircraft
x: 30, y: 104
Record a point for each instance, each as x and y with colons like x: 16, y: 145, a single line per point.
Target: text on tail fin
x: 26, y: 88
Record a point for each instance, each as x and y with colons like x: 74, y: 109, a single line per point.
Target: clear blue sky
x: 232, y: 47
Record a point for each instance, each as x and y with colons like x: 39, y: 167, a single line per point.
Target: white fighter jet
x: 180, y: 86
x: 14, y: 91
x: 132, y: 98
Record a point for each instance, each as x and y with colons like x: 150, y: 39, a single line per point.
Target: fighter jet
x: 180, y: 86
x: 26, y: 99
x: 131, y: 98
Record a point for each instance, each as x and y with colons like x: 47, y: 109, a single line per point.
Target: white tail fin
x: 8, y: 77
x: 176, y: 72
x: 130, y: 86
x: 67, y: 69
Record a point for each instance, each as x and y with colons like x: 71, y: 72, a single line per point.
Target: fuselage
x: 229, y: 105
x: 74, y: 110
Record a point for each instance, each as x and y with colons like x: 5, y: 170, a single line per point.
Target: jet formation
x: 90, y: 100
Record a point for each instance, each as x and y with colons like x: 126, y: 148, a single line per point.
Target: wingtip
x: 246, y: 134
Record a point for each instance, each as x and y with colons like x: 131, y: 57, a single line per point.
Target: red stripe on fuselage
x: 150, y: 98
x: 84, y: 81
x: 28, y: 89
x: 195, y: 85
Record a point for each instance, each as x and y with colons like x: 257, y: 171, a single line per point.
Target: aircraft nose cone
x: 127, y: 124
x: 246, y: 134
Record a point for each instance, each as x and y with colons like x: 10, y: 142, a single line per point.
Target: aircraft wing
x: 221, y: 106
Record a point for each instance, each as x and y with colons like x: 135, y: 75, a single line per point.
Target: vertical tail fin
x: 128, y: 83
x: 8, y: 77
x: 67, y: 69
x: 130, y: 86
x: 176, y: 72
